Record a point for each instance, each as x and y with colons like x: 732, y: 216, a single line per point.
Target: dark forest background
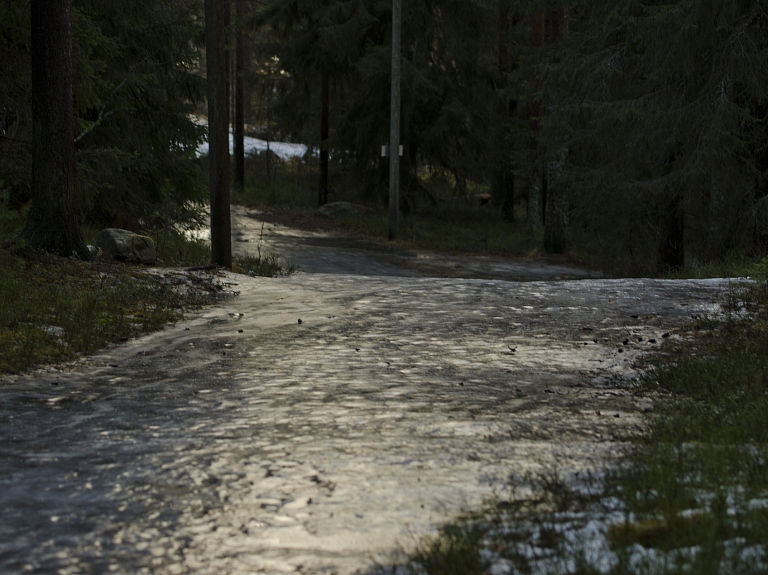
x: 630, y: 133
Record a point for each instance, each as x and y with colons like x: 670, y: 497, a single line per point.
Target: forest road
x: 243, y: 441
x: 313, y: 251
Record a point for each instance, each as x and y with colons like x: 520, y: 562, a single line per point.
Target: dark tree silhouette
x: 323, y: 193
x: 556, y: 199
x: 218, y: 136
x: 52, y: 223
x: 239, y: 128
x: 671, y: 247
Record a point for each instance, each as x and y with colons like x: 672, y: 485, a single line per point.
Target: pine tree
x: 136, y: 83
x: 52, y: 224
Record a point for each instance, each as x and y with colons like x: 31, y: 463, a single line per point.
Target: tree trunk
x: 394, y: 122
x: 536, y: 185
x: 556, y: 206
x: 218, y: 134
x: 323, y: 185
x: 406, y: 197
x: 52, y: 223
x: 239, y: 99
x: 506, y: 191
x: 671, y: 254
x: 503, y: 181
x: 556, y: 218
x: 227, y: 17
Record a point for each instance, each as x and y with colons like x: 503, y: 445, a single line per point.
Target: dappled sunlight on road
x: 243, y: 441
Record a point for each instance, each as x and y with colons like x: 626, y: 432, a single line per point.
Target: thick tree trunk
x: 503, y: 181
x: 323, y: 184
x: 506, y: 191
x: 556, y: 218
x: 218, y: 134
x: 227, y: 17
x: 239, y: 99
x: 556, y: 206
x: 536, y: 185
x: 406, y: 195
x: 671, y: 253
x: 52, y: 223
x: 537, y: 182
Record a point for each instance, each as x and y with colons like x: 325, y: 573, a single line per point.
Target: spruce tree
x: 661, y: 106
x: 52, y: 224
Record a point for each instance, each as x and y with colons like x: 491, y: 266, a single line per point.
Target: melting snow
x: 283, y: 150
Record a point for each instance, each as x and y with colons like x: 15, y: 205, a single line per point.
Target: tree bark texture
x: 218, y: 134
x: 239, y: 98
x: 394, y: 127
x: 405, y: 197
x: 503, y: 181
x: 671, y: 253
x: 324, y: 112
x: 52, y: 223
x: 556, y: 217
x: 227, y: 17
x: 537, y: 183
x: 556, y: 209
x: 505, y: 187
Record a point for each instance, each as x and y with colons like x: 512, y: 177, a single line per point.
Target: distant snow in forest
x: 283, y: 150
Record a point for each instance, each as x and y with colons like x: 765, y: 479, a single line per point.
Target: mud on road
x: 244, y: 441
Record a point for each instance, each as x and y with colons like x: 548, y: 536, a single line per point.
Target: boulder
x: 125, y: 245
x: 337, y: 209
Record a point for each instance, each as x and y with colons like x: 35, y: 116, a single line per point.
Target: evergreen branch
x: 15, y: 140
x: 101, y: 118
x: 9, y: 243
x: 103, y: 114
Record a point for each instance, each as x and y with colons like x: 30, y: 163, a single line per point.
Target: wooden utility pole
x: 52, y: 222
x: 394, y: 128
x: 239, y: 98
x: 218, y: 134
x: 323, y: 192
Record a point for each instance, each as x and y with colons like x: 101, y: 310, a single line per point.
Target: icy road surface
x: 243, y: 441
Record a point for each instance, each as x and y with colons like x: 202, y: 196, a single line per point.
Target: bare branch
x: 103, y: 114
x: 15, y: 140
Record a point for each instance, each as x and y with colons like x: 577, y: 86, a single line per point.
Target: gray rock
x: 126, y: 245
x: 336, y: 209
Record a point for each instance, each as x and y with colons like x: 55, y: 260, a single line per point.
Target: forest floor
x: 317, y: 422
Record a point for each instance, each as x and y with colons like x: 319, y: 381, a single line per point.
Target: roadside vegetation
x: 53, y: 309
x: 438, y: 220
x: 690, y: 494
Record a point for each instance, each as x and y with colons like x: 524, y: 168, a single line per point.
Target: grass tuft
x: 53, y: 309
x: 267, y: 265
x: 690, y: 496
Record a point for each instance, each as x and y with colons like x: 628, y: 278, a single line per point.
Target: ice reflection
x: 316, y: 447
